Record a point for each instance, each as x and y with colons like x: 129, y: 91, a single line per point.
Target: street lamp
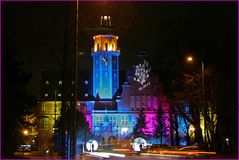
x: 25, y: 132
x: 190, y: 59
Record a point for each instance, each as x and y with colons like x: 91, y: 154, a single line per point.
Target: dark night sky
x: 209, y: 30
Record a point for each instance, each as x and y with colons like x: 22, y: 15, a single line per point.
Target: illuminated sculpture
x: 142, y: 72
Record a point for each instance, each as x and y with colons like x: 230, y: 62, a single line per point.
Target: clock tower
x: 105, y: 54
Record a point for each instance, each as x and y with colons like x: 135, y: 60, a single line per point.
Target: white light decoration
x: 138, y: 144
x: 142, y: 72
x: 124, y: 130
x: 92, y: 145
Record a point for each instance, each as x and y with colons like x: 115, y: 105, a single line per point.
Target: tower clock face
x: 105, y: 60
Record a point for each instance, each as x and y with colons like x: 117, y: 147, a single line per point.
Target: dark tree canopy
x: 138, y: 130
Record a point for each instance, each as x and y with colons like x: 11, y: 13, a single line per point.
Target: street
x: 114, y: 156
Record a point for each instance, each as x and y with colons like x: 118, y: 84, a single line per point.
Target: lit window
x: 72, y: 82
x: 45, y: 123
x: 47, y: 82
x: 86, y: 82
x: 112, y: 119
x: 99, y: 120
x: 43, y: 108
x: 46, y: 94
x: 59, y: 94
x: 138, y: 104
x: 124, y: 120
x: 60, y: 82
x: 86, y: 94
x: 72, y: 94
x: 137, y: 98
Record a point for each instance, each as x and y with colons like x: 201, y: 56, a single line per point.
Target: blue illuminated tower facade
x: 105, y: 66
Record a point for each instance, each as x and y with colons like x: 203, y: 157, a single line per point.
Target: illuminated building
x: 111, y: 112
x: 48, y: 112
x: 105, y: 66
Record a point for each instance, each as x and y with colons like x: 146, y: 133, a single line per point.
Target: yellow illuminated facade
x: 208, y: 127
x: 48, y: 112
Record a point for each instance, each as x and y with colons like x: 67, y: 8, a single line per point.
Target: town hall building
x: 110, y: 108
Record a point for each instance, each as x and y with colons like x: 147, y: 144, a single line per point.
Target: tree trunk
x: 171, y: 129
x: 198, y: 134
x: 177, y: 133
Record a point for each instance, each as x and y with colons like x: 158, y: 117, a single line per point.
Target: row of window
x: 47, y: 82
x: 143, y: 97
x: 149, y: 105
x: 112, y: 120
x: 138, y: 108
x: 45, y: 107
x: 59, y: 95
x: 60, y: 82
x: 43, y: 123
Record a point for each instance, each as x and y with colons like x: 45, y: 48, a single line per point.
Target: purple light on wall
x: 165, y: 107
x: 155, y: 102
x: 89, y: 120
x: 150, y: 119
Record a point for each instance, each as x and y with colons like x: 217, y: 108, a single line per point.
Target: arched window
x: 106, y: 46
x: 113, y: 47
x: 98, y: 46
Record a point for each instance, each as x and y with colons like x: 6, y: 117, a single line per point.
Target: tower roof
x: 105, y: 24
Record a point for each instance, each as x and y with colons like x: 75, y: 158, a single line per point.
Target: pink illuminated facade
x: 117, y: 117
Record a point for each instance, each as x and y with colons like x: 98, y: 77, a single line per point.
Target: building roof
x: 105, y: 105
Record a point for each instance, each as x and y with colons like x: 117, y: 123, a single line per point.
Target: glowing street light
x: 25, y: 132
x: 189, y: 58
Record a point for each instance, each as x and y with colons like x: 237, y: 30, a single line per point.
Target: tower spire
x: 105, y: 21
x: 105, y: 54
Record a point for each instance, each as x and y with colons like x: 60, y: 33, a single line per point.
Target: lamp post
x: 25, y: 133
x: 190, y: 60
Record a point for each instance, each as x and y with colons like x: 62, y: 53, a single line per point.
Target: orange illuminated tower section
x: 105, y: 63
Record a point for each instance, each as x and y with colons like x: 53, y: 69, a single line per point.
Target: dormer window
x: 60, y: 82
x: 47, y: 82
x: 106, y: 46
